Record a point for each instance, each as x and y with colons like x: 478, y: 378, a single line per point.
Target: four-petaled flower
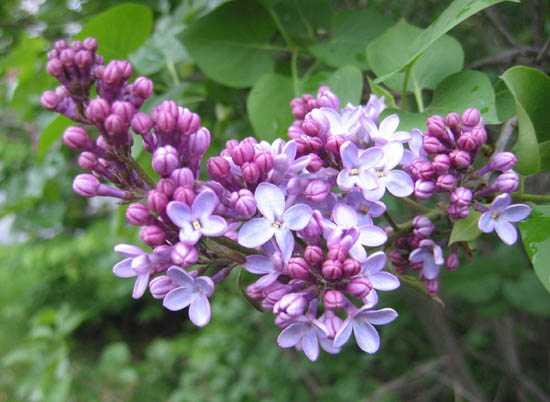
x: 499, y: 216
x: 366, y: 210
x: 305, y: 333
x: 358, y: 167
x: 386, y: 131
x: 276, y: 221
x: 192, y: 292
x: 380, y: 280
x: 198, y: 220
x: 431, y: 255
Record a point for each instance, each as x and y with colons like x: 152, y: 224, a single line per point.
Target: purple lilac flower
x: 277, y: 220
x: 304, y: 332
x: 358, y: 167
x: 270, y: 266
x: 386, y: 131
x: 372, y: 270
x: 416, y: 150
x: 346, y: 123
x: 284, y: 159
x: 361, y: 322
x: 198, y: 220
x: 192, y: 292
x: 499, y: 216
x: 431, y: 255
x: 374, y: 107
x: 397, y: 182
x: 366, y: 210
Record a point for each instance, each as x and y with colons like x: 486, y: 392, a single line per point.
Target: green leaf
x: 526, y: 147
x: 455, y: 93
x: 51, y: 134
x: 466, y: 229
x: 528, y: 294
x: 389, y: 51
x: 544, y: 149
x: 458, y: 11
x: 506, y: 106
x: 119, y: 30
x: 268, y: 106
x: 536, y: 239
x: 347, y: 83
x: 352, y: 30
x: 231, y: 44
x: 380, y: 91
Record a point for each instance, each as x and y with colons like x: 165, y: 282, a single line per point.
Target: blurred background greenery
x: 70, y: 330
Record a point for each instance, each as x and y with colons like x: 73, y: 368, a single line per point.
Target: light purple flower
x: 366, y: 210
x: 431, y: 255
x: 374, y: 107
x: 192, y: 292
x: 346, y: 123
x: 284, y: 159
x: 386, y: 132
x: 372, y: 270
x: 198, y: 220
x: 398, y: 182
x: 361, y: 323
x: 358, y: 167
x: 416, y: 148
x: 499, y: 216
x: 276, y: 221
x: 271, y: 266
x: 139, y: 264
x: 304, y: 333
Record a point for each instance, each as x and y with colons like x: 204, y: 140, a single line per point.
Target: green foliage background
x: 69, y: 328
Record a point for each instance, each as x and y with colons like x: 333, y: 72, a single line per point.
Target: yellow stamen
x: 277, y: 224
x: 196, y: 225
x: 494, y: 215
x: 380, y: 173
x: 354, y: 172
x: 364, y: 209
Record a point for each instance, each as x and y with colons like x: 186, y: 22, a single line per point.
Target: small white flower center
x: 277, y: 224
x: 354, y: 172
x: 196, y: 225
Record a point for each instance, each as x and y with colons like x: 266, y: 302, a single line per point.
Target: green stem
x: 294, y: 69
x: 172, y: 70
x: 404, y: 90
x: 281, y: 28
x: 311, y: 69
x: 416, y: 205
x: 418, y: 97
x: 141, y: 173
x: 392, y: 222
x: 530, y: 197
x: 521, y: 184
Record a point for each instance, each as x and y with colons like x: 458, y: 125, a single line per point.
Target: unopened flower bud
x: 115, y: 125
x: 467, y: 142
x: 217, y: 168
x: 437, y: 128
x: 124, y: 110
x: 432, y: 286
x: 251, y: 172
x: 337, y: 253
x: 351, y: 267
x: 242, y: 153
x: 359, y: 287
x: 90, y: 44
x: 334, y: 142
x: 451, y: 262
x: 143, y: 87
x: 137, y: 214
x: 49, y: 100
x: 152, y: 235
x: 157, y: 201
x: 165, y: 160
x: 327, y: 98
x: 87, y: 160
x: 86, y: 185
x: 507, y: 182
x: 471, y: 117
x: 460, y: 159
x: 98, y: 110
x: 480, y: 135
x: 453, y: 121
x: 77, y: 138
x: 333, y: 300
x: 315, y: 123
x: 313, y: 255
x: 184, y: 194
x: 188, y: 122
x: 315, y: 163
x: 184, y: 255
x: 199, y: 142
x: 264, y: 161
x: 441, y: 163
x: 461, y: 196
x: 425, y: 170
x: 293, y: 304
x: 432, y: 145
x: 298, y: 268
x: 332, y: 269
x: 503, y: 161
x: 141, y: 123
x: 164, y: 121
x: 424, y: 189
x: 166, y: 186
x: 83, y: 59
x: 397, y: 258
x: 317, y: 190
x: 446, y: 182
x: 312, y: 231
x: 244, y: 203
x: 423, y: 227
x: 456, y: 211
x: 254, y: 293
x: 160, y: 286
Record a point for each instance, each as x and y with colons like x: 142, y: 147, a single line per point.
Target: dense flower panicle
x: 303, y: 214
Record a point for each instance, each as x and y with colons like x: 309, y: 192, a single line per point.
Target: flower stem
x: 530, y: 197
x: 404, y: 90
x: 391, y: 221
x: 416, y: 205
x: 141, y: 173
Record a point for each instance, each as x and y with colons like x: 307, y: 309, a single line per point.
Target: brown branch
x: 495, y: 20
x: 504, y: 57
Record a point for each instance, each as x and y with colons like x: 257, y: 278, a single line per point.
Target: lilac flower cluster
x: 305, y: 215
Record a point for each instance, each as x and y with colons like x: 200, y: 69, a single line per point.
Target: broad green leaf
x: 466, y: 229
x: 119, y: 30
x: 536, y: 239
x: 544, y: 149
x: 231, y: 44
x: 268, y: 106
x: 458, y: 11
x: 389, y: 51
x: 526, y: 147
x: 347, y: 83
x: 380, y: 91
x: 51, y: 134
x: 455, y: 93
x: 352, y: 30
x: 506, y: 106
x: 528, y: 294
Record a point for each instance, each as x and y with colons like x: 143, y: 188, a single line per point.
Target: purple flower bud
x: 397, y: 258
x: 453, y: 121
x: 298, y: 268
x: 52, y: 54
x: 77, y: 138
x: 101, y: 142
x: 98, y: 110
x: 327, y: 98
x: 199, y: 141
x: 184, y: 194
x: 152, y: 235
x: 507, y: 182
x: 49, y: 100
x: 503, y: 161
x: 90, y: 44
x: 166, y: 186
x: 313, y: 255
x: 425, y: 170
x: 461, y: 196
x: 423, y: 227
x: 244, y: 203
x: 67, y: 57
x: 334, y: 142
x: 312, y: 231
x: 264, y: 161
x: 282, y: 320
x: 184, y: 255
x: 60, y: 44
x: 446, y: 182
x: 359, y: 287
x: 137, y: 214
x: 332, y: 269
x: 165, y: 160
x: 160, y: 286
x: 86, y: 185
x: 143, y: 87
x: 217, y: 168
x: 315, y: 144
x: 432, y: 145
x: 115, y: 125
x: 183, y: 177
x: 432, y: 286
x: 295, y: 130
x: 112, y: 74
x: 460, y: 159
x: 87, y: 160
x: 141, y: 123
x: 424, y: 189
x: 55, y: 67
x: 251, y: 172
x: 83, y: 59
x: 458, y: 211
x: 242, y: 153
x: 337, y: 253
x: 170, y: 107
x: 333, y: 300
x: 317, y: 190
x: 441, y: 163
x: 351, y: 267
x: 124, y: 110
x: 76, y: 45
x: 164, y: 121
x: 157, y: 201
x: 471, y: 117
x: 230, y: 144
x: 315, y: 123
x: 480, y: 135
x: 467, y: 142
x: 437, y: 128
x: 188, y: 122
x: 299, y: 109
x: 293, y: 304
x: 315, y: 163
x: 451, y: 262
x: 254, y: 293
x: 274, y: 292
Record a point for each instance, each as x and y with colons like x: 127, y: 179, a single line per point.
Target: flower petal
x: 371, y: 299
x: 349, y: 154
x: 376, y: 194
x: 297, y: 216
x: 213, y: 225
x: 419, y: 255
x: 255, y: 232
x: 372, y: 236
x: 199, y: 311
x: 140, y: 285
x: 310, y: 344
x: 270, y: 200
x: 258, y: 264
x: 204, y: 204
x: 389, y: 125
x: 516, y: 212
x: 380, y: 317
x: 179, y: 213
x: 384, y: 281
x: 374, y: 264
x: 344, y: 215
x: 366, y: 336
x: 343, y: 333
x: 506, y: 231
x: 285, y: 240
x: 398, y: 183
x: 188, y: 234
x: 393, y: 153
x: 346, y: 181
x: 486, y: 222
x: 123, y: 269
x: 266, y: 280
x: 290, y: 336
x: 371, y: 157
x: 180, y: 277
x: 127, y: 250
x: 358, y: 252
x: 205, y: 284
x: 500, y: 202
x: 430, y: 268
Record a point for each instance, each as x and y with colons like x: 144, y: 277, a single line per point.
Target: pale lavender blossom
x: 499, y: 216
x: 270, y: 266
x: 192, y: 292
x: 362, y: 322
x: 374, y: 107
x: 347, y: 123
x: 386, y: 131
x: 277, y: 220
x: 284, y: 159
x: 197, y: 220
x: 366, y: 210
x: 372, y: 270
x: 416, y: 149
x: 397, y: 182
x: 305, y: 332
x: 431, y: 255
x: 139, y: 264
x: 358, y: 167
